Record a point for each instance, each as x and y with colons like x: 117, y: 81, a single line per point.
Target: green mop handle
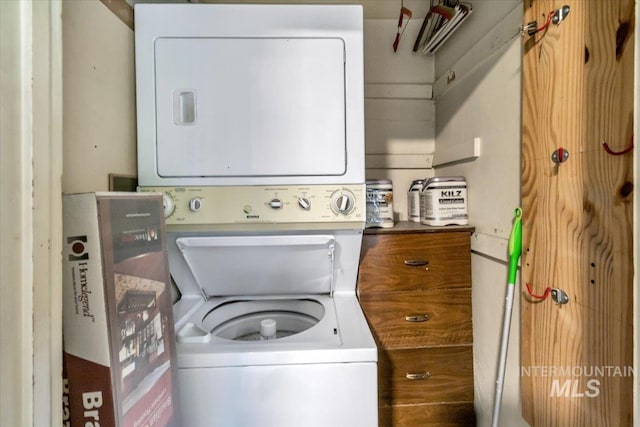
x: 515, y: 250
x: 515, y: 245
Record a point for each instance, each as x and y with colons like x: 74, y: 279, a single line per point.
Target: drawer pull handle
x: 418, y: 376
x: 416, y: 262
x: 417, y: 318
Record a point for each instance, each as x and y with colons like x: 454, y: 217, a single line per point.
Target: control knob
x: 275, y: 204
x: 304, y: 203
x: 168, y: 206
x: 195, y: 204
x: 343, y: 202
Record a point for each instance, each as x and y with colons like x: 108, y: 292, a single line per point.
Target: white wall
x: 485, y: 101
x: 399, y: 130
x: 99, y: 97
x: 482, y: 21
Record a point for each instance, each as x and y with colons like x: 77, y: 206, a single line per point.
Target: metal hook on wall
x: 557, y: 295
x: 554, y: 17
x: 542, y: 296
x: 618, y: 153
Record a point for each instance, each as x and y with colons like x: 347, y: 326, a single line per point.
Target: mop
x: 515, y: 249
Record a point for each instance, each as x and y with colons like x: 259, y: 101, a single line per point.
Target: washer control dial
x: 168, y: 204
x: 275, y: 203
x: 195, y: 204
x: 343, y: 202
x: 304, y: 203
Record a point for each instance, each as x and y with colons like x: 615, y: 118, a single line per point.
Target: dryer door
x: 250, y: 107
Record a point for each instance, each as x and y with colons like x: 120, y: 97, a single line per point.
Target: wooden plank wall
x: 577, y: 358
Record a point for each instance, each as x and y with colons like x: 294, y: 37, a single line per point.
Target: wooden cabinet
x: 414, y: 286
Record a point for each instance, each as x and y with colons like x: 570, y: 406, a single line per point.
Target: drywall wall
x: 470, y: 108
x: 399, y: 126
x: 488, y: 296
x: 482, y: 21
x: 99, y: 97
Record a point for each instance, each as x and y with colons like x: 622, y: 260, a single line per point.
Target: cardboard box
x: 119, y: 341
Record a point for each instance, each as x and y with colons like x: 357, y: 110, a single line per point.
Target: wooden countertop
x: 414, y: 227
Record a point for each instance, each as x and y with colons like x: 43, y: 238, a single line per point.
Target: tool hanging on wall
x: 515, y: 250
x: 402, y: 25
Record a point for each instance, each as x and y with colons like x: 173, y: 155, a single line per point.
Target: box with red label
x: 119, y: 341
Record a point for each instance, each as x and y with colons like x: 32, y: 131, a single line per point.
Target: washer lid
x: 261, y: 265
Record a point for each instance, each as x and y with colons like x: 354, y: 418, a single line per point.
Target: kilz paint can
x: 413, y: 200
x: 444, y: 201
x: 379, y: 203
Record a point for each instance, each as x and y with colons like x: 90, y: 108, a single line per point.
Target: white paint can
x: 444, y: 201
x: 379, y: 203
x: 413, y: 200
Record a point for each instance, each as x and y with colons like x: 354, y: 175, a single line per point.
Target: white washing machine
x: 279, y: 339
x: 251, y: 124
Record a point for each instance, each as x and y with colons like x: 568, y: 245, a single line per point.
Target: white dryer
x: 251, y: 124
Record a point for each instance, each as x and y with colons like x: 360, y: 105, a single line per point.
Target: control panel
x: 262, y: 204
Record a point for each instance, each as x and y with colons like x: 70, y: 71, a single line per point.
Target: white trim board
x: 398, y: 161
x: 492, y: 246
x: 398, y: 91
x: 447, y: 154
x: 31, y: 218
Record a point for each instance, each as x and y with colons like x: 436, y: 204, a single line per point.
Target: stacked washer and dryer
x: 251, y: 124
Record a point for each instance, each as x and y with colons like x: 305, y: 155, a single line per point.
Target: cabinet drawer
x: 419, y: 319
x: 438, y: 415
x: 427, y: 375
x: 415, y: 261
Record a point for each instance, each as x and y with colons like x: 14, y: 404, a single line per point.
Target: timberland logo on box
x: 78, y: 248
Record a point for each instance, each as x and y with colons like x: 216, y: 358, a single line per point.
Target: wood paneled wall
x: 577, y: 359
